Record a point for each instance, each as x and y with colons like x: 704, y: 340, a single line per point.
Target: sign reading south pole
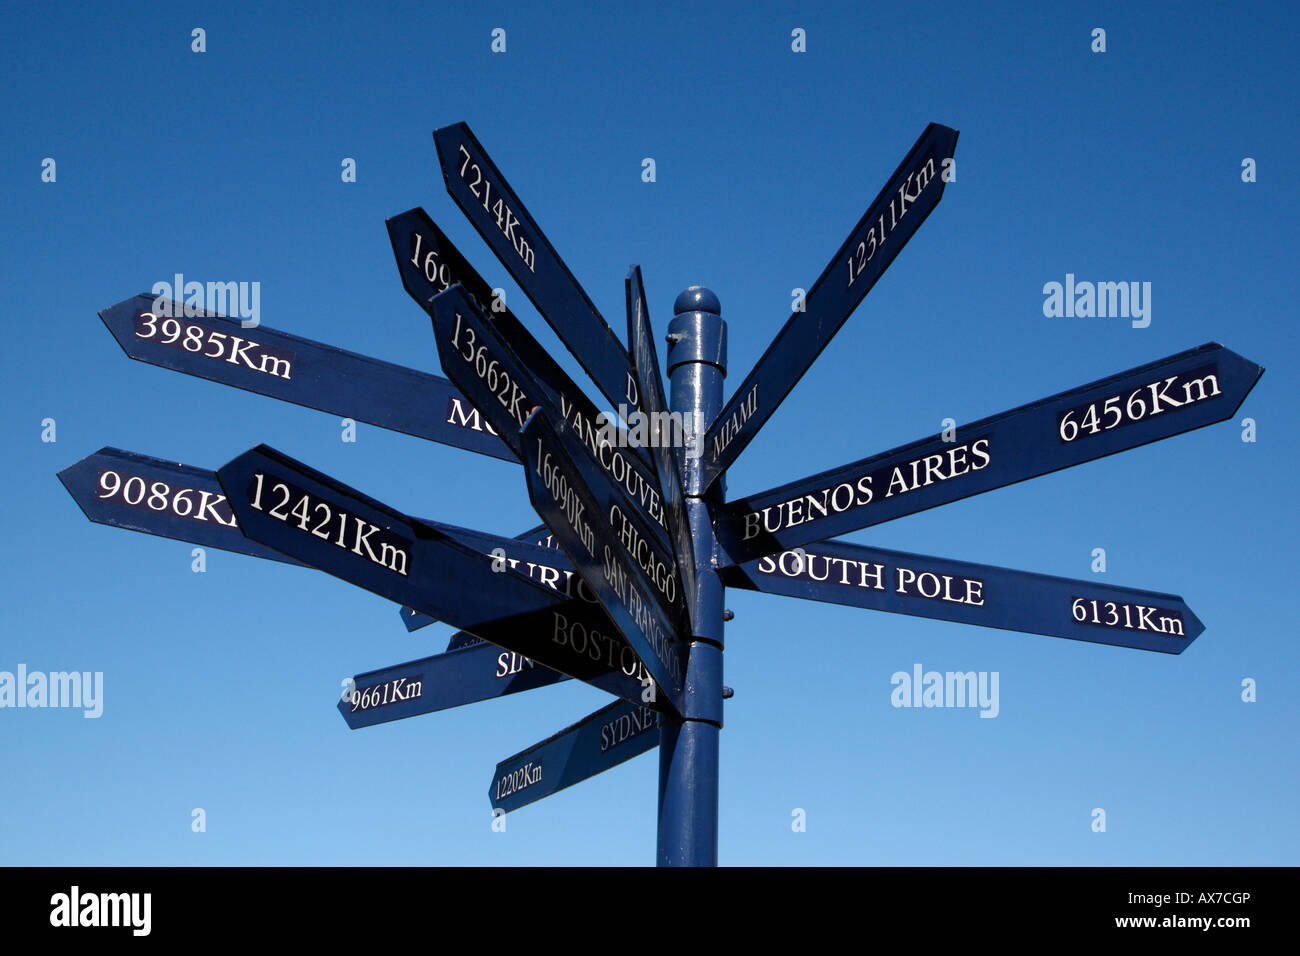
x: 489, y: 203
x: 909, y: 196
x: 636, y: 602
x: 838, y: 572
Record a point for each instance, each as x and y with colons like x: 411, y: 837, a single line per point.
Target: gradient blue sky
x: 219, y: 687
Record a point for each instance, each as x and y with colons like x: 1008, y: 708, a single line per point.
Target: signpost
x: 623, y: 585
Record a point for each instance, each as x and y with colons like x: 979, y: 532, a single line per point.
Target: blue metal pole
x: 688, y: 748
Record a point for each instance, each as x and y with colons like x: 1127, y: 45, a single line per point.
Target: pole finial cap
x: 697, y: 299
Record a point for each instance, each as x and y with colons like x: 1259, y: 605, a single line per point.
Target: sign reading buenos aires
x: 909, y: 196
x: 1167, y: 397
x: 300, y: 371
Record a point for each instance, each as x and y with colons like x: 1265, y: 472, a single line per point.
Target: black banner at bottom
x: 89, y: 905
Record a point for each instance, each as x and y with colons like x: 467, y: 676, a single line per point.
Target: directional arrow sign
x: 546, y: 566
x: 557, y: 574
x: 540, y: 536
x: 429, y: 264
x: 457, y: 677
x: 605, y: 739
x: 663, y: 438
x: 495, y: 211
x: 300, y: 371
x: 139, y: 493
x: 638, y: 603
x: 895, y: 215
x: 1174, y: 395
x: 300, y: 512
x: 840, y: 573
x: 478, y: 359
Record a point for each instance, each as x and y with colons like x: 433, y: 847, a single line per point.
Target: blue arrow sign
x: 462, y: 676
x: 638, y: 603
x: 484, y: 366
x: 153, y: 496
x: 430, y: 264
x: 605, y: 739
x: 909, y: 196
x: 1168, y: 397
x: 309, y: 516
x: 841, y: 573
x: 666, y: 436
x: 558, y: 575
x: 492, y: 207
x: 299, y: 371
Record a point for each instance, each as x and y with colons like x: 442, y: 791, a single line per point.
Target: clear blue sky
x: 219, y: 687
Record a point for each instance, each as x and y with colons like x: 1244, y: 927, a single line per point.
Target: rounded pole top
x: 697, y: 299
